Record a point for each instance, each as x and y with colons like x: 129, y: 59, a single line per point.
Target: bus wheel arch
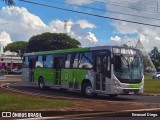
x: 87, y: 88
x: 41, y: 84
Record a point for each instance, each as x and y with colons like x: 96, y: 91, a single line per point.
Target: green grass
x: 17, y: 102
x: 151, y: 85
x: 148, y: 76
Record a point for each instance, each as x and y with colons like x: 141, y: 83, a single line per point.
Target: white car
x: 156, y: 75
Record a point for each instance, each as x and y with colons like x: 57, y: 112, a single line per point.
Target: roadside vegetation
x: 151, y: 85
x: 13, y: 102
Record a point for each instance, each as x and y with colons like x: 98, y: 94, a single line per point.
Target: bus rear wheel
x: 87, y: 90
x: 41, y: 84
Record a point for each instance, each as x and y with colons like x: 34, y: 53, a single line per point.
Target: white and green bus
x: 109, y: 70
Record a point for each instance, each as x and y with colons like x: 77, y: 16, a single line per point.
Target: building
x: 10, y: 64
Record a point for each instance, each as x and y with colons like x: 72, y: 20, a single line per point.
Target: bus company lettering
x: 34, y: 115
x: 26, y: 115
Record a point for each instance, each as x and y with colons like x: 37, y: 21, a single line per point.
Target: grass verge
x: 151, y: 85
x: 13, y: 102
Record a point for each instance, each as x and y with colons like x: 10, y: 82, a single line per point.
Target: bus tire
x: 87, y: 90
x: 41, y: 84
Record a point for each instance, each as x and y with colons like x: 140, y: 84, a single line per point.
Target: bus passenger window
x: 25, y: 62
x: 68, y: 60
x: 85, y: 60
x: 48, y: 63
x: 75, y: 64
x: 39, y: 63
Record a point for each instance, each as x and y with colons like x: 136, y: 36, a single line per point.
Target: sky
x: 21, y: 22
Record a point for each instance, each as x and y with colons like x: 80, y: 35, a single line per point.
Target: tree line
x: 43, y: 42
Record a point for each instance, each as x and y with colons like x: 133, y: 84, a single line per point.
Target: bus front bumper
x: 122, y: 90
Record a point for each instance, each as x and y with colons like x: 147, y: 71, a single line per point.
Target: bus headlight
x: 116, y: 83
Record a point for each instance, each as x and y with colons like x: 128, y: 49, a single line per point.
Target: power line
x: 131, y: 2
x: 122, y: 5
x: 64, y: 9
x: 98, y: 9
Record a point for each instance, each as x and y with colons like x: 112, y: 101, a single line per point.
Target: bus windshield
x: 128, y: 66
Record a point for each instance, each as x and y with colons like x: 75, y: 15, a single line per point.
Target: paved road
x: 63, y: 93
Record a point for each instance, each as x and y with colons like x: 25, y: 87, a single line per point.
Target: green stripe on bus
x: 62, y: 51
x: 47, y: 73
x: 73, y: 75
x: 135, y: 85
x: 67, y: 75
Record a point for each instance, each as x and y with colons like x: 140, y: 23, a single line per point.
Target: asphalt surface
x: 76, y: 95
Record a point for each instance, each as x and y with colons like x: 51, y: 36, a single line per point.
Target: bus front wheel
x: 87, y: 90
x: 41, y: 84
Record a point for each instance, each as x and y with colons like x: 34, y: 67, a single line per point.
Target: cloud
x: 119, y: 41
x: 130, y: 10
x: 22, y: 25
x: 116, y: 38
x: 4, y: 38
x: 86, y: 38
x: 79, y: 2
x: 74, y: 29
x: 148, y: 35
x: 85, y: 24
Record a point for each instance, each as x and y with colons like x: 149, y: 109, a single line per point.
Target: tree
x: 19, y: 47
x: 8, y: 2
x: 154, y: 54
x: 155, y: 57
x: 51, y: 41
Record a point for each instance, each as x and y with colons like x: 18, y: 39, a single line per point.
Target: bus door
x: 32, y: 61
x: 102, y: 71
x: 57, y: 67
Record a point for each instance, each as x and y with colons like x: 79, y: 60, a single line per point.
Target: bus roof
x: 73, y: 50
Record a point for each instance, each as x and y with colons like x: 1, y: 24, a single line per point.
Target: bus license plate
x: 131, y: 92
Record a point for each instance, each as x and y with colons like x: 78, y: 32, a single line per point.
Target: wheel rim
x: 88, y: 90
x: 41, y: 84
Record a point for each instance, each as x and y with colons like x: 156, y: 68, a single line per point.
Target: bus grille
x: 131, y: 81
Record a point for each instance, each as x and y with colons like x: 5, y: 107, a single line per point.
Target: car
x: 17, y: 71
x: 156, y: 75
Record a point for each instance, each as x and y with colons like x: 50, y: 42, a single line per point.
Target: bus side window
x: 48, y: 63
x: 25, y: 62
x: 75, y: 64
x: 68, y: 61
x: 39, y: 62
x: 85, y: 60
x: 72, y: 60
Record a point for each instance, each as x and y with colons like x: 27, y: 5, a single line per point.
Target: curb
x: 150, y: 94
